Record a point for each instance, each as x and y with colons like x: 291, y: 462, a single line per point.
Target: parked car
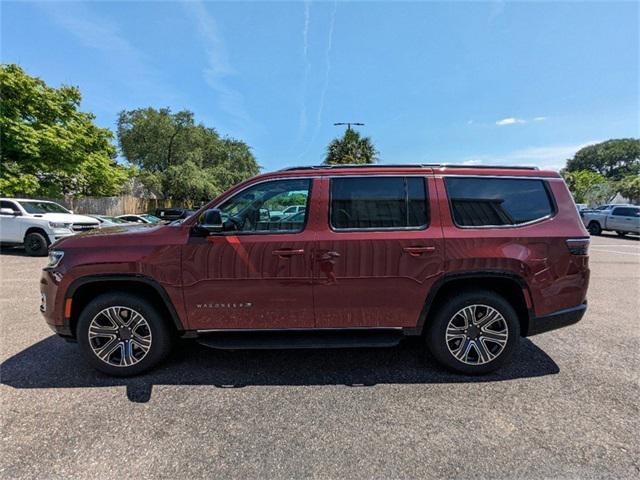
x: 607, y: 206
x: 621, y: 219
x: 36, y: 224
x: 293, y: 209
x: 467, y: 258
x: 140, y: 218
x: 171, y: 214
x: 107, y: 221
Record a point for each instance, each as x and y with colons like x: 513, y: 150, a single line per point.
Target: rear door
x: 380, y: 252
x: 624, y: 219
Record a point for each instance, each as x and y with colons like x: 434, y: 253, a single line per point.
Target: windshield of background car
x: 43, y: 207
x: 115, y: 220
x: 151, y: 218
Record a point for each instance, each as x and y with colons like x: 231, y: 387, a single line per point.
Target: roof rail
x: 408, y: 165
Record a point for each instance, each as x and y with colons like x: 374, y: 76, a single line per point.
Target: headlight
x: 55, y: 256
x: 60, y: 225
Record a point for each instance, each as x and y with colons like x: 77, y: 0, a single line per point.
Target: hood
x: 64, y: 217
x: 131, y: 234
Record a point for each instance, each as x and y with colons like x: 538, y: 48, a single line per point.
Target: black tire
x: 594, y: 228
x: 36, y: 244
x: 621, y: 234
x: 436, y: 334
x: 160, y: 339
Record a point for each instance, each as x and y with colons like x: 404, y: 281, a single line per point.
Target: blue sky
x: 481, y: 82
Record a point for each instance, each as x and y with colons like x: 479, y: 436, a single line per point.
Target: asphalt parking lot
x: 567, y: 407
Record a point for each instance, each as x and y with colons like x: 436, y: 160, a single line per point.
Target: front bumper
x: 52, y: 304
x: 558, y: 319
x: 58, y: 234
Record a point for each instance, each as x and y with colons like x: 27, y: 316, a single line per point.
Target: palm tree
x: 351, y: 149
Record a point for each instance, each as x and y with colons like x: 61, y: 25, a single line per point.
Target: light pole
x: 348, y: 124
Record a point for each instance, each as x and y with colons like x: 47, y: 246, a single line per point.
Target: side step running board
x: 294, y: 339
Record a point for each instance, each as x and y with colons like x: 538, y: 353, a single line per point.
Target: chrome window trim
x: 552, y: 201
x: 381, y: 229
x: 272, y: 232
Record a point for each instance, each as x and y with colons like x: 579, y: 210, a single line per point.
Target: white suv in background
x: 36, y: 224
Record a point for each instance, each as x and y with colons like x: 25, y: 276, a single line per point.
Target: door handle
x: 288, y: 252
x: 417, y: 251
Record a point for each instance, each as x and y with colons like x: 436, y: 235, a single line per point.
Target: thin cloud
x: 550, y: 157
x: 325, y: 86
x: 303, y: 121
x: 509, y: 121
x: 539, y: 119
x: 305, y: 30
x: 98, y: 33
x: 218, y: 67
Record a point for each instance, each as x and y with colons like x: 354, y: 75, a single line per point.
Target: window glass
x: 11, y: 205
x: 43, y: 207
x: 626, y: 212
x: 378, y: 202
x: 497, y: 201
x: 262, y: 208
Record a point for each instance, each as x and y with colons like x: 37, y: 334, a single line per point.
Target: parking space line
x: 614, y: 245
x: 614, y: 251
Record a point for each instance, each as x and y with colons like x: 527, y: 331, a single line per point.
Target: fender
x: 468, y: 275
x: 136, y: 278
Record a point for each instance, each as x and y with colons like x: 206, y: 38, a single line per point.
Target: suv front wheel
x: 473, y: 332
x: 122, y: 334
x: 36, y: 244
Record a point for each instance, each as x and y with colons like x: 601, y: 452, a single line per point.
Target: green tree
x: 179, y: 158
x: 614, y: 159
x: 589, y: 187
x: 49, y: 147
x: 629, y: 187
x: 351, y: 148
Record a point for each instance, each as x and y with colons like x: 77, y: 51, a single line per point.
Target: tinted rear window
x: 378, y: 202
x: 497, y: 201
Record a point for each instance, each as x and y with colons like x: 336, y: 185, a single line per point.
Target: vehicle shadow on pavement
x: 54, y: 363
x: 609, y: 235
x: 13, y: 251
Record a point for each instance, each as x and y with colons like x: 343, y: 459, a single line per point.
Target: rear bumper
x: 558, y: 319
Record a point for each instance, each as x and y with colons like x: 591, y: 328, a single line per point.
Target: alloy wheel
x: 477, y: 334
x: 119, y: 336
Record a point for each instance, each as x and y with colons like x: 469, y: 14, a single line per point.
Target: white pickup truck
x: 622, y: 219
x: 36, y: 224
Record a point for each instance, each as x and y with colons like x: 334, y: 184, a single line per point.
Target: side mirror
x: 8, y: 211
x: 211, y: 221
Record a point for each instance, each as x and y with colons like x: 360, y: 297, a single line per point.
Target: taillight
x: 578, y: 246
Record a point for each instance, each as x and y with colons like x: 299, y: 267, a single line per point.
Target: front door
x: 380, y: 252
x: 257, y: 273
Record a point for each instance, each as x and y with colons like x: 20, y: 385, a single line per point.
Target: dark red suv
x: 469, y: 258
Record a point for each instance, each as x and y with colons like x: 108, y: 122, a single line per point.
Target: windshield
x: 43, y: 207
x: 151, y: 218
x: 114, y: 219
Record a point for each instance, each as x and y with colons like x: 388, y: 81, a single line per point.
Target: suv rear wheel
x: 474, y: 332
x: 594, y: 228
x: 122, y: 334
